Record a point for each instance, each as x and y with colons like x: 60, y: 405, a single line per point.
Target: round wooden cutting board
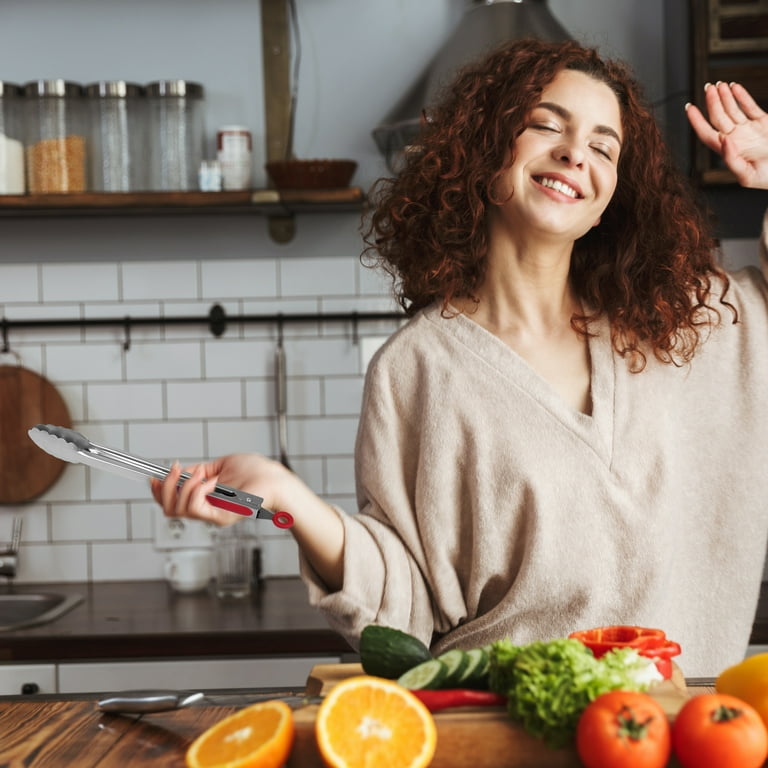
x: 26, y: 399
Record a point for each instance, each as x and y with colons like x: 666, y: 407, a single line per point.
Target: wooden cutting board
x: 26, y: 399
x: 467, y: 737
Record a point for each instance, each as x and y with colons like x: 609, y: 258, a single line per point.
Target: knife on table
x: 147, y: 702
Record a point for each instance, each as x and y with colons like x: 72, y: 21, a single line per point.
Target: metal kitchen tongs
x: 68, y: 445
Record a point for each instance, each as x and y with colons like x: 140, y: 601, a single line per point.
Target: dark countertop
x: 146, y: 619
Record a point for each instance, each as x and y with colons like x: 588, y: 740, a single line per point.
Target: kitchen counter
x: 146, y: 619
x: 54, y: 731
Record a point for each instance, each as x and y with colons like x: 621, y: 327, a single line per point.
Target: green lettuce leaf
x: 549, y: 684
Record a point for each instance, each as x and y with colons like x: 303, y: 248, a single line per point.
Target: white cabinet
x: 22, y: 678
x: 185, y: 674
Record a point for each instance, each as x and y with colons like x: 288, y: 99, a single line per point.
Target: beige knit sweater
x: 488, y: 508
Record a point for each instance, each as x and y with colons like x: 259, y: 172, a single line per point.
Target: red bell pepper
x: 652, y: 643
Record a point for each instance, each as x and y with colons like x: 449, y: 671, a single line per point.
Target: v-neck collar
x: 595, y: 429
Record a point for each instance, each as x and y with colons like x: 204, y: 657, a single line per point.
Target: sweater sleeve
x: 384, y: 560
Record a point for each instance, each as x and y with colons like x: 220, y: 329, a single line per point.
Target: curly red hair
x: 649, y: 266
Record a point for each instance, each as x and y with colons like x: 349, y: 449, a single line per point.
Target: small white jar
x: 234, y: 147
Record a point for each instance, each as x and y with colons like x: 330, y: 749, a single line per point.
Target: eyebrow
x: 604, y: 130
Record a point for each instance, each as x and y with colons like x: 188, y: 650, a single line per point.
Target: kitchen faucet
x: 9, y: 557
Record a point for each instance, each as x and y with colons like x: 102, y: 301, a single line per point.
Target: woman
x: 571, y: 429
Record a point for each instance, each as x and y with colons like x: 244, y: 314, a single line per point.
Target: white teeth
x: 558, y: 186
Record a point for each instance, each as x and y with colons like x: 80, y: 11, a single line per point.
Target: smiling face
x: 564, y: 171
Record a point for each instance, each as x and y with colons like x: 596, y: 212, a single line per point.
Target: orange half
x: 370, y: 721
x: 259, y: 736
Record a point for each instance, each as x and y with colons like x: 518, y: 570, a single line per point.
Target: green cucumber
x: 455, y: 662
x: 429, y: 675
x: 388, y: 652
x: 475, y: 674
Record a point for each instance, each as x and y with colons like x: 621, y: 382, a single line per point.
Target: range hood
x: 486, y: 24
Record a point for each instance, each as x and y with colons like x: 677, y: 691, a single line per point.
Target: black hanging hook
x: 127, y: 332
x: 6, y: 346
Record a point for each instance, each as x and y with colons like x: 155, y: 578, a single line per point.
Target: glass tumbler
x: 233, y: 561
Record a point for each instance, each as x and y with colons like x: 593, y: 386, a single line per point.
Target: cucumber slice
x: 456, y: 662
x: 429, y: 675
x: 475, y: 674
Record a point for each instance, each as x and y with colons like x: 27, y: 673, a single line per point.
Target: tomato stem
x: 724, y: 714
x: 630, y: 727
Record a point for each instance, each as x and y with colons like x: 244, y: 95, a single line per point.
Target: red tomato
x: 720, y: 731
x: 623, y: 729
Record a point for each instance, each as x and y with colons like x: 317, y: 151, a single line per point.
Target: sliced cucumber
x: 429, y: 675
x: 455, y: 662
x: 388, y: 652
x: 475, y: 673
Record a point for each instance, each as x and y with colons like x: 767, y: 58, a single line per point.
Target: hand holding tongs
x: 68, y: 445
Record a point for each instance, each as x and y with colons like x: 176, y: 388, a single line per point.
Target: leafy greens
x: 549, y: 684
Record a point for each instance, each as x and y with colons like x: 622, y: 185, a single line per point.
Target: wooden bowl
x: 311, y: 174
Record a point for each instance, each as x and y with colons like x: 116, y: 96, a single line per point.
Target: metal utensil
x: 281, y: 399
x: 69, y: 445
x: 145, y: 702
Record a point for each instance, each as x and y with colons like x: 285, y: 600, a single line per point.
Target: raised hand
x: 737, y: 129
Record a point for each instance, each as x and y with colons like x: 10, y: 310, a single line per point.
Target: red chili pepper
x: 448, y: 698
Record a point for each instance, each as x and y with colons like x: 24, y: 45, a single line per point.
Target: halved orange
x: 258, y: 736
x: 370, y: 721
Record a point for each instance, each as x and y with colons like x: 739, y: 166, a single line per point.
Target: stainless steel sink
x: 25, y: 609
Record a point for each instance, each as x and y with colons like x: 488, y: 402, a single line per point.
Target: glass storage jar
x: 11, y: 140
x: 176, y: 134
x: 116, y: 154
x: 56, y: 138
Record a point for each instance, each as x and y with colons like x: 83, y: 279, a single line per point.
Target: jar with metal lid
x: 56, y: 136
x: 176, y: 134
x: 116, y: 154
x: 11, y: 140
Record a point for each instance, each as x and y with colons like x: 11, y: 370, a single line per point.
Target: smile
x: 557, y: 185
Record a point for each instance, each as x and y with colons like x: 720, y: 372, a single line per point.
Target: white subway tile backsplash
x: 34, y: 524
x: 323, y: 437
x: 80, y: 282
x: 301, y: 277
x: 80, y: 362
x: 160, y: 280
x: 76, y: 522
x: 240, y: 436
x: 217, y: 399
x: 141, y: 515
x: 342, y: 396
x: 124, y: 401
x: 226, y: 358
x: 321, y: 357
x: 180, y: 393
x: 67, y: 562
x: 20, y: 282
x: 340, y: 477
x: 109, y: 486
x: 167, y: 440
x: 223, y: 279
x: 126, y: 561
x: 164, y: 360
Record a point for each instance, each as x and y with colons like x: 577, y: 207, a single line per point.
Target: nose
x: 570, y: 154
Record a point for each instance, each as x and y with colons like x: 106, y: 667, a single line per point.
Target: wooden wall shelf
x: 265, y: 202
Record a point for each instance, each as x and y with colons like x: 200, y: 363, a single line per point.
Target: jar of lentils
x: 56, y: 137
